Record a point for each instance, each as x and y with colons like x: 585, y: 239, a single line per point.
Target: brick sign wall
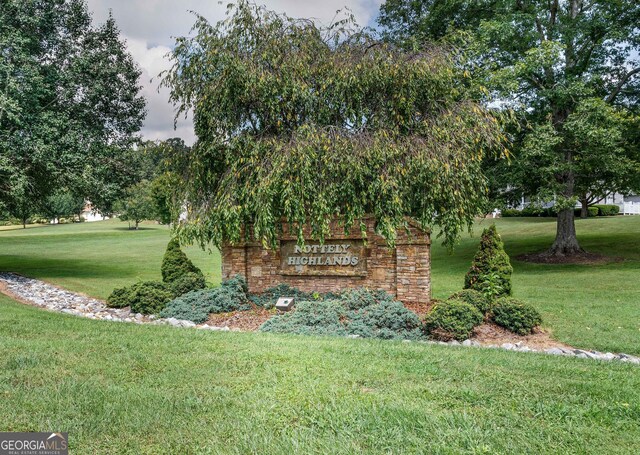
x: 343, y: 261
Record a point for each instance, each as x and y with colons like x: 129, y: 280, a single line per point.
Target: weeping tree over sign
x: 304, y: 124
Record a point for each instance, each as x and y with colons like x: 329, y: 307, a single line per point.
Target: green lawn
x: 123, y: 388
x: 594, y: 307
x: 94, y: 258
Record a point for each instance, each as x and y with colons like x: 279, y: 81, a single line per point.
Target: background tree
x: 138, y: 206
x: 160, y: 163
x: 301, y: 123
x: 70, y: 106
x: 553, y: 61
x: 61, y: 204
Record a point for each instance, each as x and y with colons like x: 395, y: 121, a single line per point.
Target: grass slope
x: 122, y: 388
x: 595, y: 307
x: 94, y: 258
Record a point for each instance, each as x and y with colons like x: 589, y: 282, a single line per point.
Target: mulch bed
x: 490, y: 333
x: 420, y: 308
x: 249, y: 321
x: 579, y: 258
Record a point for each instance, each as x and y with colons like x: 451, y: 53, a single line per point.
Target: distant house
x: 90, y: 214
x: 629, y: 204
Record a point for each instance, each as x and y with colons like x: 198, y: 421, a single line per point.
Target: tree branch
x: 621, y: 84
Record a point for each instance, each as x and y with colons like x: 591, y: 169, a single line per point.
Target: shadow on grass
x: 46, y: 268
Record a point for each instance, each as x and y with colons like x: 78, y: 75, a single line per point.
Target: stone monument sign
x: 342, y: 261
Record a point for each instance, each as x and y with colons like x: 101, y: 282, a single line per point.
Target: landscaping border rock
x: 45, y: 295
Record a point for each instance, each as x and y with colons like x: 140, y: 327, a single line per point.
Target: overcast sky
x: 149, y: 27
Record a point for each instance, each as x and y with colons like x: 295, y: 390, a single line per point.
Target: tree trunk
x: 584, y: 211
x: 566, y: 242
x: 137, y: 222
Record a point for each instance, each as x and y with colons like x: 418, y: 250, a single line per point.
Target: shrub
x: 509, y: 213
x: 359, y: 298
x: 176, y: 264
x: 515, y: 315
x: 310, y: 318
x: 591, y: 212
x: 369, y: 314
x: 196, y: 306
x: 473, y: 297
x: 149, y: 297
x: 188, y: 282
x: 490, y: 271
x: 386, y: 320
x: 452, y: 320
x: 119, y: 298
x: 270, y: 296
x: 607, y: 209
x: 532, y: 210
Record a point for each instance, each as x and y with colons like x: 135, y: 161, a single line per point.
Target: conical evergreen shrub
x: 176, y: 264
x: 490, y: 271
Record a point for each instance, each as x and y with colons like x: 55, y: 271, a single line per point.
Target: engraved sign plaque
x: 333, y: 258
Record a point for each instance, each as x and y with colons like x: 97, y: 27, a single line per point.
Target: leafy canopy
x: 301, y: 123
x: 70, y: 107
x: 571, y: 68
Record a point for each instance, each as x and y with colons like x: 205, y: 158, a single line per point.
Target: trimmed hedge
x: 473, y: 297
x: 452, y: 320
x: 490, y: 271
x: 591, y: 212
x: 176, y: 264
x: 515, y: 315
x: 510, y: 213
x: 607, y: 209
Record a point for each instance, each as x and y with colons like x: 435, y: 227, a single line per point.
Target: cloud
x: 150, y: 28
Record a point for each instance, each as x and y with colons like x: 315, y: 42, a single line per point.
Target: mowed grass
x: 94, y: 258
x: 588, y: 306
x: 123, y: 388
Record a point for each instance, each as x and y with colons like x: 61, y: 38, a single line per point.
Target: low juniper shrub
x: 515, y: 315
x: 188, y: 282
x: 473, y: 297
x: 119, y: 298
x: 269, y: 297
x: 452, y: 320
x: 386, y: 320
x: 310, y: 318
x: 149, y: 297
x: 369, y: 314
x: 359, y: 298
x: 196, y: 306
x: 176, y: 264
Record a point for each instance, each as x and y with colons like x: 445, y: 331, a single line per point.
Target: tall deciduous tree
x: 572, y: 69
x: 69, y: 101
x: 301, y: 123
